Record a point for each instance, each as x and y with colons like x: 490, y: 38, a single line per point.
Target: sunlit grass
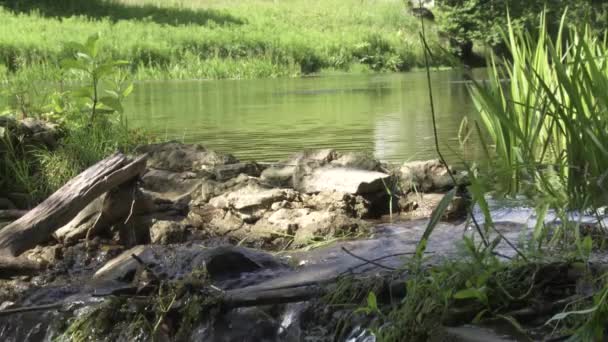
x: 218, y: 38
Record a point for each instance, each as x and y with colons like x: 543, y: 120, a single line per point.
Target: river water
x: 267, y: 119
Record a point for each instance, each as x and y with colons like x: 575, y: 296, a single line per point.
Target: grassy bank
x: 218, y: 38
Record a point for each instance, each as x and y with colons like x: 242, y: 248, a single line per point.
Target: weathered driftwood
x: 112, y: 207
x: 60, y: 208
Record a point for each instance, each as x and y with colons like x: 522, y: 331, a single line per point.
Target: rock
x: 33, y: 131
x: 177, y: 157
x: 421, y: 205
x: 5, y: 203
x: 167, y: 232
x: 357, y: 160
x: 352, y: 205
x: 280, y: 177
x: 287, y: 174
x: 210, y: 188
x: 226, y: 172
x: 345, y: 180
x: 171, y: 186
x: 305, y: 225
x: 424, y: 176
x: 176, y: 262
x: 325, y: 225
x: 251, y: 201
x: 282, y: 223
x: 45, y: 255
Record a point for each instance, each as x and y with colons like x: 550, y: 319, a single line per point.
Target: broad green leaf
x: 128, y: 90
x: 541, y: 212
x: 470, y: 293
x: 104, y: 70
x: 112, y: 93
x: 85, y: 91
x: 437, y: 214
x: 112, y: 103
x: 92, y: 45
x: 372, y: 302
x: 84, y: 56
x: 70, y: 63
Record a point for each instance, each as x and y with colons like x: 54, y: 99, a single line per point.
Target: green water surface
x: 268, y: 119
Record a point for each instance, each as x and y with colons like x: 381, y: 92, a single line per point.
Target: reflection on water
x: 387, y: 114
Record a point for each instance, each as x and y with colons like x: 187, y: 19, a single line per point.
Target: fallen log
x: 38, y: 224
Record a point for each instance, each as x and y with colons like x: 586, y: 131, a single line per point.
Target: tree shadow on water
x: 113, y: 10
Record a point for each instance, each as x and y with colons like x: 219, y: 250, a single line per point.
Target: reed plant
x: 545, y: 112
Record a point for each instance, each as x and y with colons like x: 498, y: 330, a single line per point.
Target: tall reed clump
x: 545, y: 109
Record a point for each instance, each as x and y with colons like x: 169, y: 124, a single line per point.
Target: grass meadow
x: 216, y: 39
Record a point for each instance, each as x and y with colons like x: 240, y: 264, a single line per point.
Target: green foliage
x: 468, y: 21
x: 103, y: 78
x: 37, y: 171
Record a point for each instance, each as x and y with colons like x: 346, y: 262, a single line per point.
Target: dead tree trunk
x: 39, y: 223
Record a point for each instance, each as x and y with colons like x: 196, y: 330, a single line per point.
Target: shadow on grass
x: 96, y: 9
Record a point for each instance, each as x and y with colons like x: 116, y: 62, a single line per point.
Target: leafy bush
x: 469, y: 21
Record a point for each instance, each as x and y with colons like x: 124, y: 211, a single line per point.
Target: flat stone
x: 346, y: 180
x: 251, y: 197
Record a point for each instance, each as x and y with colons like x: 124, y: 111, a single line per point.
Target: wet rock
x: 167, y: 232
x: 424, y: 176
x: 175, y: 262
x: 345, y: 180
x: 421, y: 205
x: 177, y: 157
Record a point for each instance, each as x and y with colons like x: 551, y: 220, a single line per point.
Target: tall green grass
x: 546, y: 111
x: 217, y: 38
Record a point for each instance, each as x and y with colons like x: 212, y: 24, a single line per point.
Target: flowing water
x: 266, y: 120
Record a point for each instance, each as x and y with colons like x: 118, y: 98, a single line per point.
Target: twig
x: 367, y: 261
x: 132, y: 204
x: 351, y: 269
x: 30, y: 309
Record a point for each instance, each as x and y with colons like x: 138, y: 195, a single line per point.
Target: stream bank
x: 202, y: 246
